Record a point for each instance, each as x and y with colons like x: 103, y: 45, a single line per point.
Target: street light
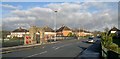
x: 55, y: 11
x: 55, y: 23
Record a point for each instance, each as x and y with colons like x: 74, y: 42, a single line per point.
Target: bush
x: 109, y: 42
x: 112, y: 34
x: 119, y: 50
x: 117, y: 41
x: 106, y: 39
x: 113, y: 47
x: 71, y: 35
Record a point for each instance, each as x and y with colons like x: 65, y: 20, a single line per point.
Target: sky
x: 60, y: 0
x: 85, y: 15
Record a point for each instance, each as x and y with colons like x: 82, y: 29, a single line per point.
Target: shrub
x: 119, y: 50
x: 70, y: 34
x: 106, y: 39
x: 113, y: 47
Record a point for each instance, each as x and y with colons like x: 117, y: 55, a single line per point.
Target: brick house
x: 49, y: 33
x: 63, y: 31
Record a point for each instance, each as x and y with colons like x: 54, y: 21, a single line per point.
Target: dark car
x: 98, y: 36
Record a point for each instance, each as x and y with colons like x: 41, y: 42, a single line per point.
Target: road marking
x: 37, y: 54
x: 57, y: 48
x: 61, y: 46
x: 43, y: 47
x: 53, y: 47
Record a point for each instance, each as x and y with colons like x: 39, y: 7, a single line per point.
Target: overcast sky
x: 88, y: 15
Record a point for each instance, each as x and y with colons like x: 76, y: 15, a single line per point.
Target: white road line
x: 61, y: 46
x: 57, y: 48
x: 53, y: 47
x: 37, y: 54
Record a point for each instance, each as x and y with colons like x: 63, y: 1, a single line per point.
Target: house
x: 116, y: 38
x: 20, y: 32
x: 88, y: 33
x: 81, y: 32
x: 115, y: 30
x: 63, y: 31
x: 49, y: 33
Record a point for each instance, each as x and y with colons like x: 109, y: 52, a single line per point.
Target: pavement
x: 63, y: 49
x: 93, y: 51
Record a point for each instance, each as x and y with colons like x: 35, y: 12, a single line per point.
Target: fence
x: 10, y: 43
x: 65, y: 37
x: 59, y: 38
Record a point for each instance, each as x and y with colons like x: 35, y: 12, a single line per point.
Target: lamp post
x: 55, y: 23
x: 79, y: 34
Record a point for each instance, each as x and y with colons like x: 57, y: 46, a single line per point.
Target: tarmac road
x: 67, y: 48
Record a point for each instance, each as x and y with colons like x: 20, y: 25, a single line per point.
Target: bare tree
x: 106, y: 29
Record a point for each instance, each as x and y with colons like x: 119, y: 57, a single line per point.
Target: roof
x: 81, y: 30
x: 48, y: 29
x: 78, y: 30
x: 114, y: 29
x: 20, y: 30
x: 63, y: 28
x: 87, y: 31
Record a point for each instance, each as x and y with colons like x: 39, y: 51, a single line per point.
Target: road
x: 67, y: 48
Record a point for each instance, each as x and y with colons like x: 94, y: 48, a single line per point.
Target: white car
x: 90, y: 41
